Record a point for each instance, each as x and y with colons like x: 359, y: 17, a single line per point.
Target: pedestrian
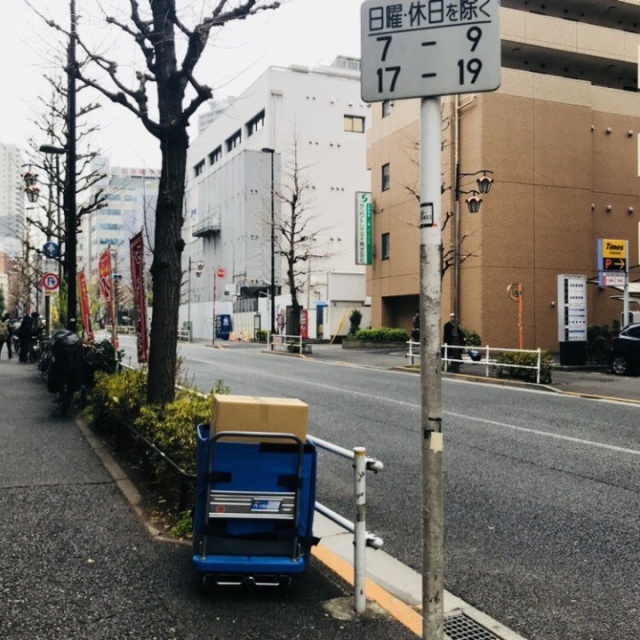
x: 4, y: 335
x: 415, y: 327
x: 25, y: 332
x: 454, y: 338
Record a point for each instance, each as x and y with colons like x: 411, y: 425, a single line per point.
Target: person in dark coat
x: 7, y: 333
x: 454, y: 336
x: 24, y: 333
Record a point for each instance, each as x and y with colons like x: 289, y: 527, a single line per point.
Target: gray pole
x: 273, y: 251
x: 430, y: 373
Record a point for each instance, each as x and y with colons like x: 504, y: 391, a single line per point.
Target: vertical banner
x: 85, y: 311
x: 364, y: 223
x: 104, y: 273
x: 136, y: 247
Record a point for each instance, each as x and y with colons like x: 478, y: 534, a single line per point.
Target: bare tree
x: 296, y: 233
x: 162, y: 36
x: 50, y: 119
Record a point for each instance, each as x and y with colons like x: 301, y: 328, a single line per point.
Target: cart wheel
x: 200, y: 581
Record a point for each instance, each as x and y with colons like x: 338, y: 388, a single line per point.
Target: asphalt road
x: 541, y: 490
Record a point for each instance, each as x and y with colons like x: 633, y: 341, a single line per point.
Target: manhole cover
x: 460, y: 627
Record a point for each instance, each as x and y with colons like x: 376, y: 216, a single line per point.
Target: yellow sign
x: 614, y: 248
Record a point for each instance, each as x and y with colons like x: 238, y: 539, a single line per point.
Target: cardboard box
x: 254, y: 413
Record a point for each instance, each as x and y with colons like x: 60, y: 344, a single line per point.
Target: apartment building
x: 560, y: 140
x: 12, y: 198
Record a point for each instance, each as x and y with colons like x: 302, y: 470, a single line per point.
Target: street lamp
x: 199, y: 267
x: 31, y: 185
x: 272, y: 153
x: 473, y: 203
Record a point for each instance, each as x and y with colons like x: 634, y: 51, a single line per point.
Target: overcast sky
x: 308, y: 32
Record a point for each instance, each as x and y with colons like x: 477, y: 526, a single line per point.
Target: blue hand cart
x: 255, y: 499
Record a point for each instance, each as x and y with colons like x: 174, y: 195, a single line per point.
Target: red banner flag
x: 85, y: 311
x: 104, y: 273
x: 136, y: 247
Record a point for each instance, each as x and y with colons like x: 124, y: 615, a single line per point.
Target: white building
x: 11, y: 199
x: 314, y: 117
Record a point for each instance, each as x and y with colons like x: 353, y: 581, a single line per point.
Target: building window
x: 234, y: 140
x: 199, y: 168
x: 386, y: 177
x: 255, y: 124
x: 386, y: 108
x: 215, y: 155
x: 385, y: 246
x: 354, y: 123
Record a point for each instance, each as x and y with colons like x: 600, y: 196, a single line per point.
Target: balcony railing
x: 207, y: 227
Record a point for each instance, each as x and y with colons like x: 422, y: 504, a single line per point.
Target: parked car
x: 624, y: 350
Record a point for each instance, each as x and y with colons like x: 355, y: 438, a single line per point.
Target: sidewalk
x: 78, y: 564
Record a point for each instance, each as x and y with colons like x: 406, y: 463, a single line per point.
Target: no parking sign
x: 50, y: 282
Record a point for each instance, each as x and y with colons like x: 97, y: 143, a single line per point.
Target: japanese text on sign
x: 424, y: 14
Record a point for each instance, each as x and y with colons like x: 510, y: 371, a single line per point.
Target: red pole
x: 213, y: 339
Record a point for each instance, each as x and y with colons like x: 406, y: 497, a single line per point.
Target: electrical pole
x: 70, y: 186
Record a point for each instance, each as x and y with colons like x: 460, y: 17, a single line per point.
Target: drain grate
x: 461, y: 627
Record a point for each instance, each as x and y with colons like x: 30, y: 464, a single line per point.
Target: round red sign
x: 221, y: 273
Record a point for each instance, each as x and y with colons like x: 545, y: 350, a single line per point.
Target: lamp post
x: 484, y: 183
x: 70, y: 181
x: 199, y: 268
x: 272, y: 153
x: 32, y: 190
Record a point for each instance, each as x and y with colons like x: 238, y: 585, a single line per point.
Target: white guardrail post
x: 360, y: 533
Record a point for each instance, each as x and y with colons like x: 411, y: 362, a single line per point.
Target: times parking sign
x: 423, y: 48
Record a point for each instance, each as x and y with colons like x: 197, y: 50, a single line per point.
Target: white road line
x: 513, y: 427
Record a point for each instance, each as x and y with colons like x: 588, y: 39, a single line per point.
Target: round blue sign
x: 50, y: 249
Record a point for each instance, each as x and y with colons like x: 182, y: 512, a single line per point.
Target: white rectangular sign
x: 430, y: 48
x: 572, y: 308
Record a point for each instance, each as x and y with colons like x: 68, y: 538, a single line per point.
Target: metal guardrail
x: 485, y: 357
x: 361, y: 537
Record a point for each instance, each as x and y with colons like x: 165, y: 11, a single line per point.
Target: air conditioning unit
x: 230, y: 290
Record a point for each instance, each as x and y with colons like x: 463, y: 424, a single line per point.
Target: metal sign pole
x: 430, y: 373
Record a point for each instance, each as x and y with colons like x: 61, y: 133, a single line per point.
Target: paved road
x: 77, y: 564
x: 542, y: 488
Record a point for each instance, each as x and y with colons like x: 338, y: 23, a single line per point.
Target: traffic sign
x: 220, y: 272
x: 50, y: 282
x: 421, y: 49
x: 612, y: 258
x: 50, y: 249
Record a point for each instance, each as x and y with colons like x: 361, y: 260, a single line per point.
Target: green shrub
x: 355, y: 319
x: 117, y: 397
x: 525, y: 360
x: 598, y: 337
x: 473, y: 339
x: 262, y: 335
x: 172, y: 429
x: 384, y: 334
x: 119, y: 400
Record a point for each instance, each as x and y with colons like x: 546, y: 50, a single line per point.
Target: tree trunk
x: 166, y: 269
